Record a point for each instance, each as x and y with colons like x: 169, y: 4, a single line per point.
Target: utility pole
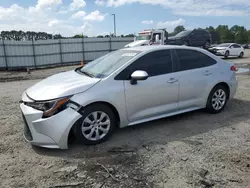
x: 114, y: 25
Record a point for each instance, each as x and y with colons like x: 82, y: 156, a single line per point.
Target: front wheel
x: 96, y: 125
x: 226, y: 54
x: 217, y: 99
x: 241, y: 55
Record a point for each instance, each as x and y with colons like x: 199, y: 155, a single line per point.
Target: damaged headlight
x: 50, y: 108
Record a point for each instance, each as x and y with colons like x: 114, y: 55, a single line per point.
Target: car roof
x: 160, y: 47
x: 229, y: 43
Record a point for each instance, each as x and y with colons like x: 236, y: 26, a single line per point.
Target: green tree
x: 225, y: 34
x: 240, y: 34
x: 130, y: 35
x: 57, y: 36
x: 100, y: 36
x: 214, y: 34
x: 248, y: 36
x: 78, y: 36
x: 179, y: 29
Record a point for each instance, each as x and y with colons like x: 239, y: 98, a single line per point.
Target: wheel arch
x: 223, y: 84
x: 71, y: 134
x: 112, y: 107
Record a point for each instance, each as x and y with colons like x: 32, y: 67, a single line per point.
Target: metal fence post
x: 60, y: 46
x: 110, y: 44
x: 5, y: 56
x: 34, y: 52
x: 83, y: 53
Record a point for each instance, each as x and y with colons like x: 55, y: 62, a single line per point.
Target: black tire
x: 209, y: 106
x: 207, y: 44
x: 226, y: 54
x: 241, y: 55
x: 86, y: 112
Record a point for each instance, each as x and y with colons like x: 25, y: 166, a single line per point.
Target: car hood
x: 137, y: 43
x: 61, y: 85
x: 219, y: 48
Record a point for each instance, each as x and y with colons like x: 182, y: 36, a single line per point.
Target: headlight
x: 50, y: 108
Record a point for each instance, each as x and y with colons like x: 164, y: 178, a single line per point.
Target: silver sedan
x: 123, y: 88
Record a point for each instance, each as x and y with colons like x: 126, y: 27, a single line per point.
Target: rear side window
x: 154, y: 63
x: 191, y: 59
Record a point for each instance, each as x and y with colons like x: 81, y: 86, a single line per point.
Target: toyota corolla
x: 123, y: 88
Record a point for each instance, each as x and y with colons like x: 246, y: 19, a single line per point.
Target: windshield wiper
x: 88, y: 74
x: 84, y: 72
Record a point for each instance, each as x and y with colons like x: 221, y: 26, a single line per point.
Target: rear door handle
x: 207, y: 73
x: 172, y: 80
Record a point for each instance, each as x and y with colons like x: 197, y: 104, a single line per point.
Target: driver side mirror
x: 138, y: 75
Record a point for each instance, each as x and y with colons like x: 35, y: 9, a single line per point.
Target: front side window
x: 154, y: 63
x: 105, y: 65
x: 190, y: 59
x: 143, y: 37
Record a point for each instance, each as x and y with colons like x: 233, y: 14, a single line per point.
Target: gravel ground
x: 190, y: 150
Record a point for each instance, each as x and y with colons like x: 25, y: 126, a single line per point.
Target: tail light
x: 233, y: 68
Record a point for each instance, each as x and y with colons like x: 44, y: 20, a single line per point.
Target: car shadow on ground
x: 233, y: 57
x: 163, y: 131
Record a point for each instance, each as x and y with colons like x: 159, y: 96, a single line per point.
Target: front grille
x: 27, y: 132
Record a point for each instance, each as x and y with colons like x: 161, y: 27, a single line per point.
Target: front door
x: 156, y: 96
x: 235, y: 50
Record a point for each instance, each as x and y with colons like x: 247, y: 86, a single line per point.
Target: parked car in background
x: 246, y: 46
x: 123, y: 88
x: 196, y: 37
x: 228, y: 49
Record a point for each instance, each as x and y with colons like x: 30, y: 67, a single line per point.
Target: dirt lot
x: 191, y: 150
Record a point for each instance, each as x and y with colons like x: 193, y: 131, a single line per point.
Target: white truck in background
x: 149, y: 37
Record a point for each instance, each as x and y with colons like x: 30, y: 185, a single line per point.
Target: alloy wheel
x: 219, y: 99
x: 96, y: 125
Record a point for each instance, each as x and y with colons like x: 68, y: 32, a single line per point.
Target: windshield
x: 183, y: 33
x: 105, y: 65
x: 224, y: 45
x: 143, y: 37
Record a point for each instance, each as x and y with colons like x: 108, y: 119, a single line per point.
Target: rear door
x: 195, y: 71
x: 237, y: 49
x: 234, y: 50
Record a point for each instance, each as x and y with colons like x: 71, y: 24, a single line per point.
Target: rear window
x: 191, y: 59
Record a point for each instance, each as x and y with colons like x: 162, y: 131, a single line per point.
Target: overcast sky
x: 93, y: 17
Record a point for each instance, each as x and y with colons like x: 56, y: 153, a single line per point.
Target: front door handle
x: 207, y: 73
x: 172, y: 80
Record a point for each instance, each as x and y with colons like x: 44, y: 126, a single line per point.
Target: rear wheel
x: 217, y: 99
x: 241, y: 55
x: 97, y: 124
x: 226, y: 54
